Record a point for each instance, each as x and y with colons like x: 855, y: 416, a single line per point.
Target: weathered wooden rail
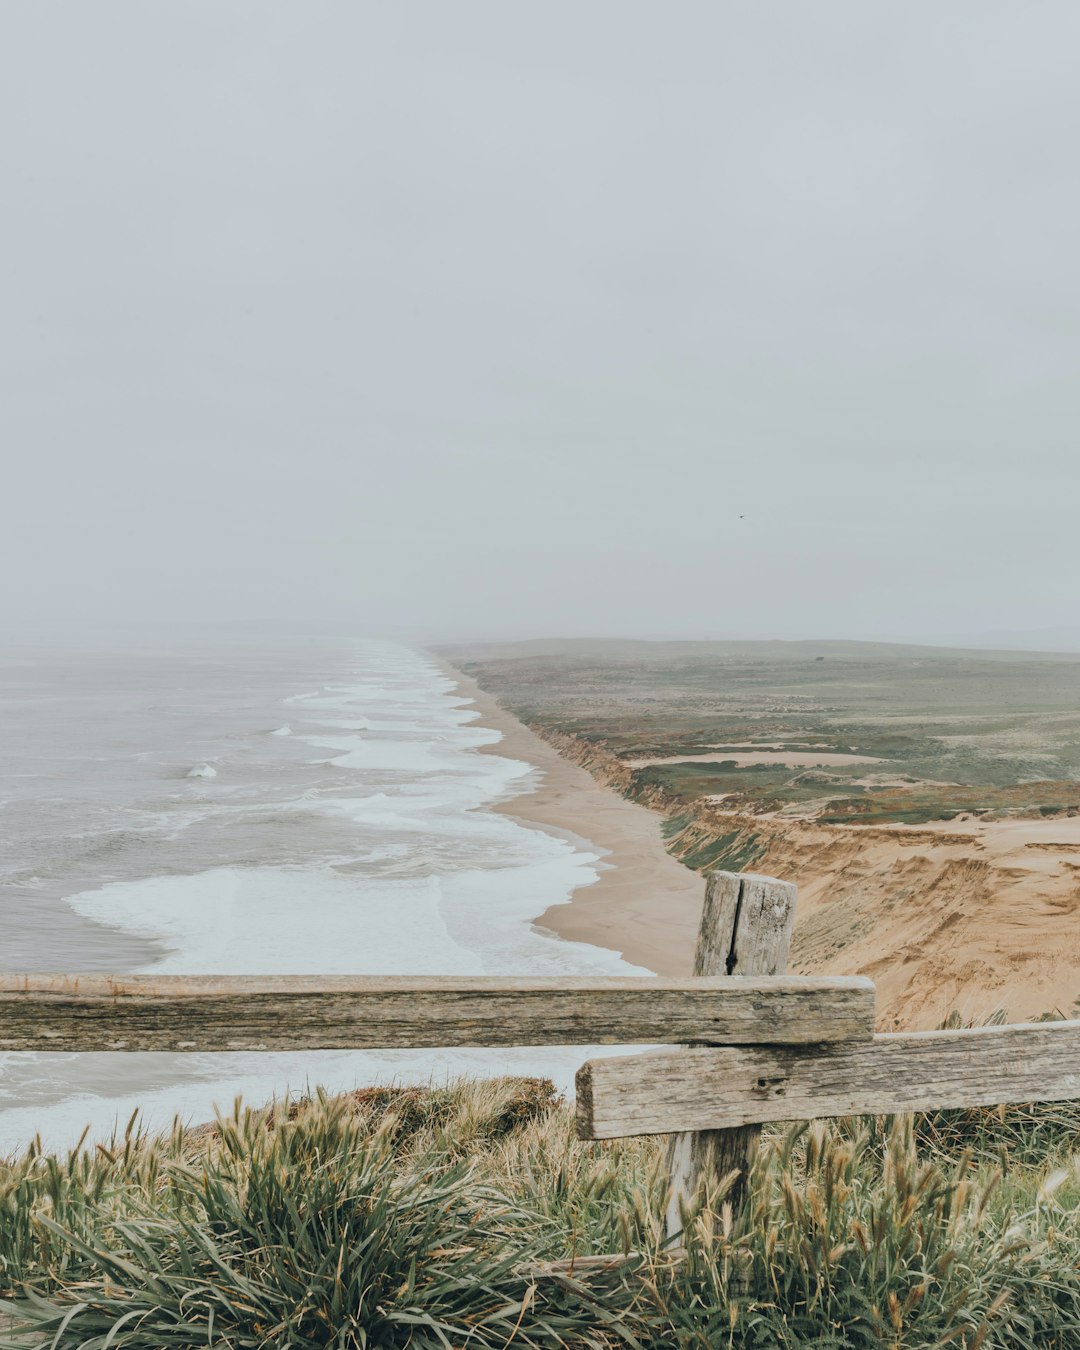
x: 328, y: 1012
x: 753, y: 1044
x: 738, y: 1086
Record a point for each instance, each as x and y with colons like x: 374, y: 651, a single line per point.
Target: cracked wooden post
x: 745, y: 930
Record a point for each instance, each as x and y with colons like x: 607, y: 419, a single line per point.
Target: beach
x: 645, y: 904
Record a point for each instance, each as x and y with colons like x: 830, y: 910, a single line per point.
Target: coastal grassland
x: 926, y: 802
x: 953, y: 732
x: 424, y: 1219
x: 830, y: 798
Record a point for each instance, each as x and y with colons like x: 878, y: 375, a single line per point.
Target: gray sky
x: 481, y: 319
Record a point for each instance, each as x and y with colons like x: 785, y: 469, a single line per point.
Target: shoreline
x: 645, y: 904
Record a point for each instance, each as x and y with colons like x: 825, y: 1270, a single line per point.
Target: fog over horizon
x: 471, y: 321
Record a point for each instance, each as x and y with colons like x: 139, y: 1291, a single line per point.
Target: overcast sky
x: 482, y: 319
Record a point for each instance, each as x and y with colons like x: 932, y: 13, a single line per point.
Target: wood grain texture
x: 725, y: 1088
x: 147, y: 1012
x: 763, y: 927
x: 745, y: 930
x: 716, y: 932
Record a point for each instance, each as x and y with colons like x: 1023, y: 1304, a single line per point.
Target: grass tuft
x: 402, y: 1217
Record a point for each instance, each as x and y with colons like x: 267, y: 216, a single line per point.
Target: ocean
x: 280, y: 805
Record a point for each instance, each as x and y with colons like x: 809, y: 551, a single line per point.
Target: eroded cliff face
x: 970, y: 916
x: 605, y: 767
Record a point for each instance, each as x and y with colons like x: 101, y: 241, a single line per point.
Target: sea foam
x: 438, y: 883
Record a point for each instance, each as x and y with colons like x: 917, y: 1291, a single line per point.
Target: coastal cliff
x: 929, y: 912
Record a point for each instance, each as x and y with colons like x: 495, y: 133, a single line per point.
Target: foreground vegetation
x: 423, y: 1219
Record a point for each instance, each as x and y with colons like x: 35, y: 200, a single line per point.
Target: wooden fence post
x: 745, y: 930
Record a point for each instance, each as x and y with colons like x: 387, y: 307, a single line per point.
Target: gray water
x: 270, y: 805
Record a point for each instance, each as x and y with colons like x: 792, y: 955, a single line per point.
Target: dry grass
x: 409, y: 1218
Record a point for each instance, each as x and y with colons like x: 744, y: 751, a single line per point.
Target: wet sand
x: 646, y: 905
x: 44, y: 934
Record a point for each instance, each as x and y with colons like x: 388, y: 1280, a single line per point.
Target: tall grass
x: 426, y: 1219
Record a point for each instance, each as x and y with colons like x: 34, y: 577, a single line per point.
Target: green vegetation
x: 759, y: 789
x: 736, y: 851
x: 954, y: 732
x: 419, y: 1219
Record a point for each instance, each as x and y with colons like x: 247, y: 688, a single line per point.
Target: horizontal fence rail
x: 750, y: 1043
x: 663, y: 1093
x: 325, y: 1012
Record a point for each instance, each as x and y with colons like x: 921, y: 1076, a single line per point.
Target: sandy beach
x: 646, y: 905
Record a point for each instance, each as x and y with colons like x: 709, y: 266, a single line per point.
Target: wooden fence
x: 752, y: 1043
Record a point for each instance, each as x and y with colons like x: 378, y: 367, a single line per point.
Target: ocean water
x: 286, y: 806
